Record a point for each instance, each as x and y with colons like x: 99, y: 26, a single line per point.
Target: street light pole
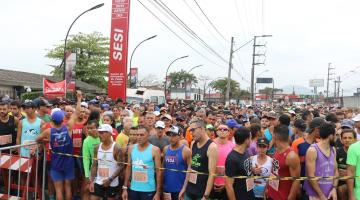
x: 186, y: 79
x: 67, y: 34
x: 167, y: 70
x: 130, y: 64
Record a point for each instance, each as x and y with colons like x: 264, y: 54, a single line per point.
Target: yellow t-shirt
x: 122, y: 140
x: 135, y: 121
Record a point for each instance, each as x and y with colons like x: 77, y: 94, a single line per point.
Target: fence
x: 21, y: 171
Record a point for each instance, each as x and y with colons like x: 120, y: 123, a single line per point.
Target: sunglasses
x: 193, y: 129
x: 262, y: 146
x: 222, y: 129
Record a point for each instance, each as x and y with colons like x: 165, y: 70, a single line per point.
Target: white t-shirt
x: 260, y: 184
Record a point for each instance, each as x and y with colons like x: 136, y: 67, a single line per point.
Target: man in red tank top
x: 286, y: 163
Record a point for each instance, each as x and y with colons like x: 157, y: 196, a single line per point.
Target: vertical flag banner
x: 168, y: 87
x: 120, y: 14
x: 188, y: 90
x: 133, y: 77
x: 54, y: 89
x: 70, y: 71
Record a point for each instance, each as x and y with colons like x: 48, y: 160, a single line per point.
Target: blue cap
x: 231, y: 123
x: 58, y: 116
x: 105, y: 106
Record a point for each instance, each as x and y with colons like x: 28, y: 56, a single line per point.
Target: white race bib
x: 249, y: 184
x: 140, y: 176
x: 193, y: 177
x: 5, y: 139
x: 274, y: 183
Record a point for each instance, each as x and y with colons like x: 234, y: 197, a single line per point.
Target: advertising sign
x: 264, y: 80
x: 133, y: 77
x: 70, y: 71
x: 54, y: 89
x: 316, y: 83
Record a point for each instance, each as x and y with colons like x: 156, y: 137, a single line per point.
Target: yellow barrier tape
x: 236, y: 177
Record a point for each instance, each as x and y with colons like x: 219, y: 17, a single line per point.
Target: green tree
x: 177, y: 78
x: 269, y: 90
x: 92, y: 57
x: 238, y: 94
x: 221, y: 85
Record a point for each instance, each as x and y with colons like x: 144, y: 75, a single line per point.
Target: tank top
x: 61, y: 142
x: 197, y: 182
x: 174, y: 180
x: 280, y: 190
x: 223, y: 152
x: 77, y: 137
x: 143, y: 169
x: 29, y: 133
x: 107, y: 165
x: 7, y: 133
x: 260, y: 184
x: 324, y: 167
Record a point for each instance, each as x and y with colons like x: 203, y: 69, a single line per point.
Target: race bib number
x: 139, y: 176
x: 77, y: 142
x: 30, y: 147
x: 104, y: 172
x: 167, y: 196
x: 220, y: 170
x: 5, y: 139
x: 249, y: 184
x: 274, y: 183
x: 193, y: 177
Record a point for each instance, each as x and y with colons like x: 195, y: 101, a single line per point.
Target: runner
x: 15, y: 108
x: 204, y: 159
x: 261, y: 166
x: 321, y: 162
x: 7, y: 127
x: 255, y: 130
x: 160, y: 139
x: 28, y: 130
x: 298, y: 136
x: 238, y: 163
x: 353, y: 169
x: 88, y: 153
x: 269, y: 133
x: 348, y: 137
x: 123, y: 138
x: 43, y: 109
x: 224, y: 148
x: 143, y: 158
x: 107, y: 167
x: 356, y: 119
x: 108, y: 118
x: 177, y: 157
x: 285, y: 163
x: 150, y: 120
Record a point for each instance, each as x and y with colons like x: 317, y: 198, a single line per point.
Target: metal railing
x: 20, y: 174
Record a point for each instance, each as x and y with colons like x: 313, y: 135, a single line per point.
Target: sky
x: 306, y: 36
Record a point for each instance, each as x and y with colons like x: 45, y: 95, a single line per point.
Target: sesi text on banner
x: 118, y: 49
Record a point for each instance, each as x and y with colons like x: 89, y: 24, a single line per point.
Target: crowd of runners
x: 191, y: 151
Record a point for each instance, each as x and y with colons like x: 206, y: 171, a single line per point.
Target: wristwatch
x: 124, y: 187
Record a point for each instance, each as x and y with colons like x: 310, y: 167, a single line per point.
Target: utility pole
x: 252, y: 86
x: 338, y: 87
x: 227, y: 96
x: 328, y: 79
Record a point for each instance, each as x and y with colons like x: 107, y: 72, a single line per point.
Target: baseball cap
x: 315, y: 123
x: 180, y: 118
x: 105, y: 106
x: 84, y: 104
x: 231, y: 123
x: 55, y: 109
x: 167, y: 116
x: 105, y: 128
x: 262, y: 141
x: 29, y: 104
x: 136, y: 106
x: 174, y: 130
x: 356, y: 118
x: 44, y: 103
x: 157, y: 113
x: 347, y: 124
x: 159, y: 124
x: 300, y: 124
x: 57, y: 116
x: 210, y: 127
x: 272, y: 114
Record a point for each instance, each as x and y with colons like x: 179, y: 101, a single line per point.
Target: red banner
x: 118, y: 49
x: 54, y: 89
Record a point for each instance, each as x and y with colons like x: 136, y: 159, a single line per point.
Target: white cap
x: 157, y: 113
x: 356, y: 118
x: 105, y: 128
x: 84, y: 104
x: 292, y: 112
x: 159, y: 124
x: 54, y: 110
x: 167, y: 116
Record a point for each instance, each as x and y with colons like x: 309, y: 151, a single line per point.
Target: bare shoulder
x: 156, y: 150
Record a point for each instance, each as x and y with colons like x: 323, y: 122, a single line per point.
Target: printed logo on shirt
x: 247, y: 166
x: 195, y: 162
x: 276, y: 167
x: 172, y: 159
x: 32, y: 132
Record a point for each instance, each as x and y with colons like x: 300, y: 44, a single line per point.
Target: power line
x: 187, y: 28
x: 152, y: 13
x: 197, y: 16
x: 244, y: 33
x: 207, y: 18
